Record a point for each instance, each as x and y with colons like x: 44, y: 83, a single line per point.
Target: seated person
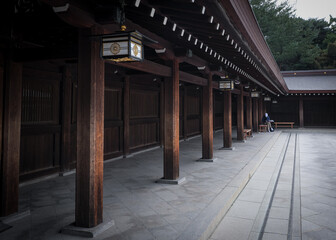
x: 267, y: 121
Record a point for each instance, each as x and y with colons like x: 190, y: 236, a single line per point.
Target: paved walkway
x: 220, y: 200
x: 292, y: 195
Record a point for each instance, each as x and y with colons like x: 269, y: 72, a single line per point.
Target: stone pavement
x: 318, y: 185
x: 294, y: 194
x: 225, y: 194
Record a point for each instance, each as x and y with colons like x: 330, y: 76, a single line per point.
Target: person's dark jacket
x: 266, y: 119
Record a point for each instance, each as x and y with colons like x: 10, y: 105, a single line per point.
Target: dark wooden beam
x: 146, y: 66
x: 301, y: 115
x: 227, y: 130
x: 207, y: 121
x: 11, y: 130
x: 40, y: 54
x: 187, y: 77
x: 240, y: 115
x: 126, y: 114
x: 255, y: 114
x: 66, y: 119
x: 249, y: 124
x: 74, y: 13
x: 90, y: 131
x: 171, y: 149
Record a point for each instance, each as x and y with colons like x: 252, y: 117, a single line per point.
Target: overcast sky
x: 314, y: 8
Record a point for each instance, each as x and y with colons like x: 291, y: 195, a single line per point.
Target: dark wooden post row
x: 249, y: 113
x: 255, y: 114
x: 11, y: 130
x: 207, y: 128
x: 240, y: 115
x: 227, y: 129
x: 171, y: 131
x: 66, y: 120
x: 90, y: 131
x: 301, y: 112
x: 126, y: 114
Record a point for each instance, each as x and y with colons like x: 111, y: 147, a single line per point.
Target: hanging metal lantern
x: 123, y: 47
x: 226, y: 85
x: 255, y: 94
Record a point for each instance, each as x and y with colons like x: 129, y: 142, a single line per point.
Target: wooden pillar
x: 171, y: 149
x: 249, y: 113
x: 227, y: 128
x: 240, y: 115
x: 90, y: 131
x: 207, y: 122
x: 11, y: 130
x: 255, y: 114
x: 301, y: 112
x: 126, y: 114
x: 66, y: 120
x: 185, y: 114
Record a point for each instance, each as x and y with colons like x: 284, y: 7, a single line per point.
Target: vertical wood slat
x: 249, y: 113
x: 301, y: 114
x: 126, y: 115
x: 261, y: 110
x: 227, y: 129
x: 240, y: 115
x: 90, y: 131
x: 1, y: 109
x: 207, y: 120
x: 255, y: 114
x: 171, y: 149
x: 11, y: 138
x: 185, y: 113
x: 162, y: 98
x: 66, y: 120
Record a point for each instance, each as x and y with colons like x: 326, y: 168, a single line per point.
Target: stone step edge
x: 259, y: 222
x: 296, y: 230
x: 206, y: 222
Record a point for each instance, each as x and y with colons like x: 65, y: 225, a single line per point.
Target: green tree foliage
x: 296, y: 44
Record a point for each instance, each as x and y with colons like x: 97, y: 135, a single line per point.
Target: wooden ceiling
x: 199, y: 25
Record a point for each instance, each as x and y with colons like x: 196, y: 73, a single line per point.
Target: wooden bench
x: 283, y: 124
x: 262, y: 128
x: 247, y: 133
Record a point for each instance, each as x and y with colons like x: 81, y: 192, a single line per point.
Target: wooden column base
x: 72, y: 229
x: 171, y: 181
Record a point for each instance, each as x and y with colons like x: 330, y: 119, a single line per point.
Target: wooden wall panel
x: 144, y: 114
x: 113, y: 126
x: 286, y: 110
x: 234, y: 109
x: 146, y: 135
x: 193, y: 111
x: 113, y: 108
x: 37, y: 152
x: 40, y: 119
x: 182, y: 125
x: 319, y: 112
x: 144, y: 103
x: 218, y: 110
x: 112, y: 142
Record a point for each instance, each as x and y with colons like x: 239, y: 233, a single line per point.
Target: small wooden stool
x: 262, y: 127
